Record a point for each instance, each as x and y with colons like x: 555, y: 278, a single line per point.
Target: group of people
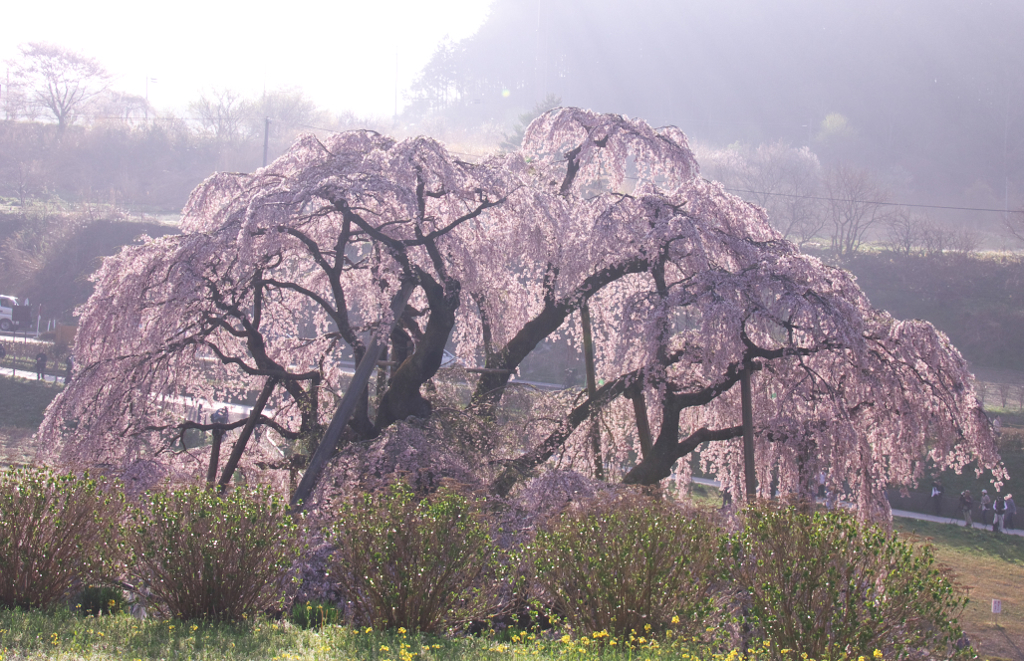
x: 1001, y: 510
x: 41, y: 359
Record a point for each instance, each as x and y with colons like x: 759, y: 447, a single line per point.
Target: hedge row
x: 814, y: 582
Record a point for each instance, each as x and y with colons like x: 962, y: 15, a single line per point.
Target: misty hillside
x: 928, y: 91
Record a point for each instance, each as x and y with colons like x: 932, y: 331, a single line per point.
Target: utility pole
x: 266, y: 140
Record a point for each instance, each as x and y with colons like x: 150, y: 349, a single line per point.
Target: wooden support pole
x: 748, y: 434
x: 588, y: 359
x: 211, y: 471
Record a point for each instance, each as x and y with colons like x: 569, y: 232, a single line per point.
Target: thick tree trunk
x: 643, y: 425
x: 357, y: 387
x: 403, y: 397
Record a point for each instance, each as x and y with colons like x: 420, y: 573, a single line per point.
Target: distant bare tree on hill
x: 782, y: 179
x: 59, y: 79
x: 855, y: 203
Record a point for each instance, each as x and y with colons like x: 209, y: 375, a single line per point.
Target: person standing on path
x: 40, y: 365
x: 937, y: 497
x: 999, y: 508
x: 1011, y: 510
x: 986, y: 507
x: 966, y: 504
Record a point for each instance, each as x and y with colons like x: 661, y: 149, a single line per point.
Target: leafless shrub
x: 406, y: 560
x: 826, y: 586
x: 55, y: 532
x: 630, y: 562
x: 207, y: 556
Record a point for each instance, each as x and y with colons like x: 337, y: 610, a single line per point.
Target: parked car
x: 7, y: 304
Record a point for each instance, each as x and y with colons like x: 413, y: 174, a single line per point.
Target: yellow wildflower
x: 675, y: 619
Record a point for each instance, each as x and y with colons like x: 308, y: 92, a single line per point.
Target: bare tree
x: 778, y: 177
x: 938, y: 240
x: 121, y: 107
x: 223, y: 114
x: 855, y: 203
x: 1014, y: 223
x: 59, y: 79
x: 905, y: 231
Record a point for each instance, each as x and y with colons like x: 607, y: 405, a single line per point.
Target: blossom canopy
x: 279, y: 277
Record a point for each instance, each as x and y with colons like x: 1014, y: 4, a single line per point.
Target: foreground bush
x: 419, y: 563
x: 824, y: 585
x: 56, y: 531
x: 204, y: 556
x: 630, y: 563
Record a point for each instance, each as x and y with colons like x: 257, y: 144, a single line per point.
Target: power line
x: 889, y: 204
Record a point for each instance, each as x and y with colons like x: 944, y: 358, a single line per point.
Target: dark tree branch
x: 659, y: 466
x: 490, y: 387
x: 523, y: 465
x: 243, y: 437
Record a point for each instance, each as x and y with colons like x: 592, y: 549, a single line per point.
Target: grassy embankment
x: 22, y: 404
x: 992, y: 567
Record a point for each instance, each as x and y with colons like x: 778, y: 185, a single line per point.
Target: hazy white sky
x: 345, y: 55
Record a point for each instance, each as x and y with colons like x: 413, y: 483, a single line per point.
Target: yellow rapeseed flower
x: 385, y: 648
x: 878, y: 654
x: 566, y: 639
x: 675, y: 619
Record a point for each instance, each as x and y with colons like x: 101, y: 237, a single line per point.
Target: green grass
x: 991, y: 566
x: 64, y: 635
x: 23, y: 402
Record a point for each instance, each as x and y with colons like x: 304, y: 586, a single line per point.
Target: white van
x: 7, y: 304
